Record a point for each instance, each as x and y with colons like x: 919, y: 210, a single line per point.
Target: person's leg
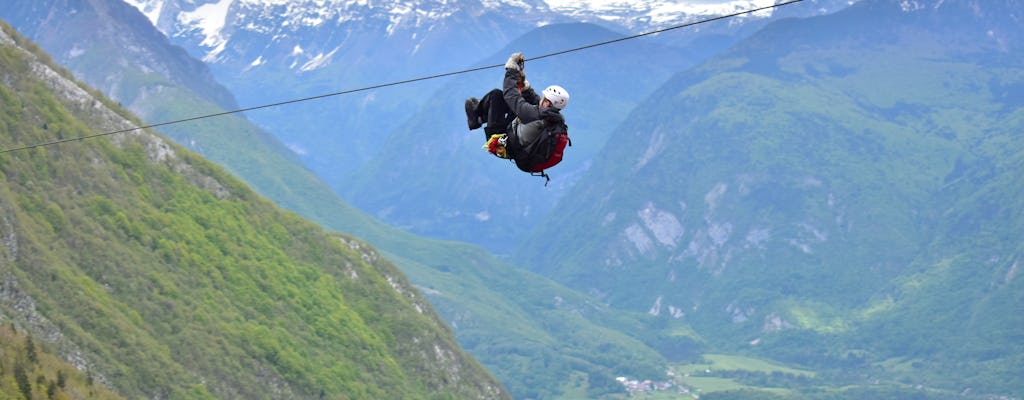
x: 473, y: 119
x: 498, y: 113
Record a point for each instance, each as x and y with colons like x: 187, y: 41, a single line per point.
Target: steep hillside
x: 457, y: 276
x: 112, y: 34
x: 112, y: 47
x: 31, y: 371
x: 163, y: 276
x: 841, y: 190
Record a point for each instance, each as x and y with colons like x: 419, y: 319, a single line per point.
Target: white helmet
x: 557, y: 96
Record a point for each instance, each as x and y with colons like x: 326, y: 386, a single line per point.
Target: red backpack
x: 545, y: 152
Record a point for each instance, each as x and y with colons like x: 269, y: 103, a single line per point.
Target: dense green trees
x: 172, y: 279
x: 29, y: 371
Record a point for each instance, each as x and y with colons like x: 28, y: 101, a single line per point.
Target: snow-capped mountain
x: 641, y: 15
x: 210, y: 24
x: 208, y: 27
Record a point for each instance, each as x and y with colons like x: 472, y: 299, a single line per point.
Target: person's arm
x: 530, y: 95
x: 516, y: 101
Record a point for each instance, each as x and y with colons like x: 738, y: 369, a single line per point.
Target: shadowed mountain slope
x: 838, y: 190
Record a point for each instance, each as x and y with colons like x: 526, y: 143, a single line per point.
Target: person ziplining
x: 524, y: 155
x: 520, y: 125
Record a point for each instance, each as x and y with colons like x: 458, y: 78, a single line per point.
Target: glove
x: 523, y: 83
x: 515, y: 61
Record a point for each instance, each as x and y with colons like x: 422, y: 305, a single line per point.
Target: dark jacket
x: 526, y: 107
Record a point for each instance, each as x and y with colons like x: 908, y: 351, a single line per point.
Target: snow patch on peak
x: 210, y: 20
x: 656, y: 12
x: 668, y: 12
x: 151, y: 9
x: 257, y: 62
x: 910, y: 5
x: 319, y: 61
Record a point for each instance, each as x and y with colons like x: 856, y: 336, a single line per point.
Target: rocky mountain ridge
x: 213, y: 23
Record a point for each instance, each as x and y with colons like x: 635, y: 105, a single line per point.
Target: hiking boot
x: 472, y: 119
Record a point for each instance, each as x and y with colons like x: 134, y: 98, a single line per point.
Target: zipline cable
x: 396, y: 83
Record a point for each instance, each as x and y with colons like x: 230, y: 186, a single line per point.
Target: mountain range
x: 218, y: 25
x: 160, y: 275
x: 836, y: 193
x: 515, y: 321
x: 267, y: 52
x: 844, y: 185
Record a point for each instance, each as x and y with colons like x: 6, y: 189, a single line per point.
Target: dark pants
x: 499, y: 116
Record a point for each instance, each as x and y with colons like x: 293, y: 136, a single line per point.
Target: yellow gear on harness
x: 496, y: 145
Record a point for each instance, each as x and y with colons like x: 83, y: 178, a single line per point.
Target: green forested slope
x: 839, y: 192
x: 163, y: 276
x: 464, y: 282
x: 29, y: 371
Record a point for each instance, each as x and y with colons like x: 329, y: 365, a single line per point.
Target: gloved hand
x: 523, y: 83
x: 515, y: 61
